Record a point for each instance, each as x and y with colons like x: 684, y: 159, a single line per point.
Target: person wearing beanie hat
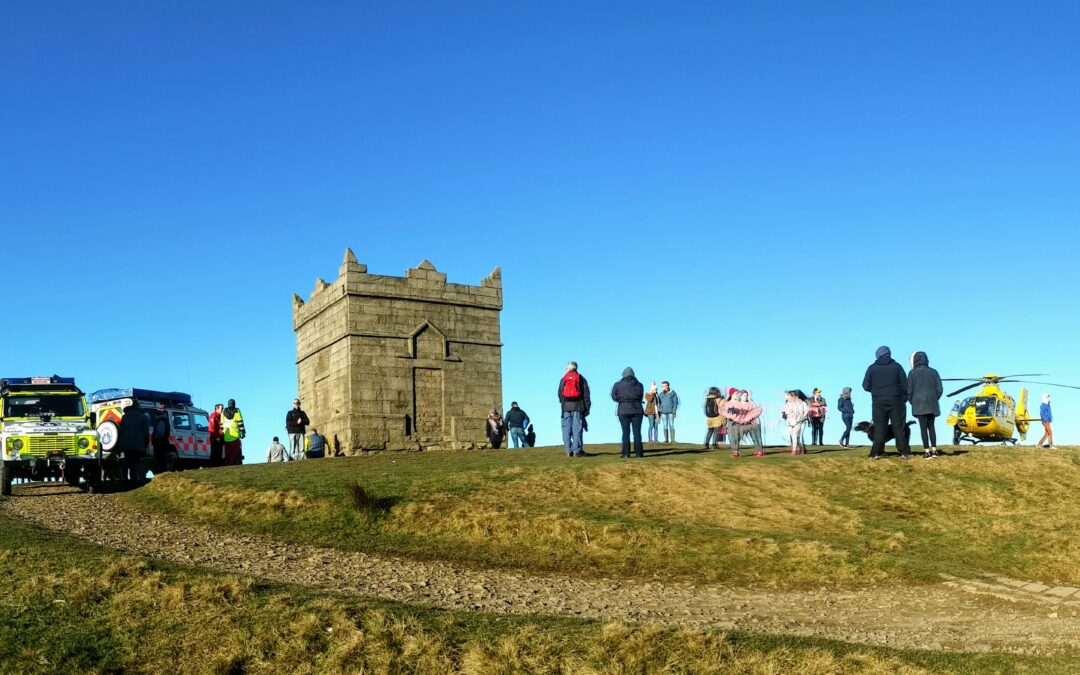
x: 496, y: 428
x: 628, y: 393
x: 847, y: 414
x: 1046, y: 416
x: 887, y: 383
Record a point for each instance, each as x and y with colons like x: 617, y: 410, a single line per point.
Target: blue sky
x: 753, y: 195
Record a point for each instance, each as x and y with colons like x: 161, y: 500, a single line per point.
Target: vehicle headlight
x: 84, y: 443
x: 17, y: 444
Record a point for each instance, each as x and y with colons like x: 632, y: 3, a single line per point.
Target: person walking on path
x: 847, y: 414
x: 1047, y: 416
x: 669, y: 406
x: 276, y: 452
x: 296, y: 423
x: 232, y: 429
x: 795, y: 412
x: 628, y: 393
x: 217, y: 436
x: 575, y: 402
x: 496, y: 428
x: 743, y: 414
x: 924, y: 393
x: 652, y: 413
x: 816, y: 415
x: 516, y: 424
x: 887, y: 383
x: 315, y: 444
x: 714, y: 421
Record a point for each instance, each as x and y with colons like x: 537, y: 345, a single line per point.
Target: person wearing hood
x: 924, y: 392
x: 232, y: 429
x: 886, y: 381
x: 847, y: 414
x: 132, y: 440
x: 628, y: 393
x: 1046, y: 416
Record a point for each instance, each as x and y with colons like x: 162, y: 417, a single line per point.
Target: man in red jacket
x: 217, y: 436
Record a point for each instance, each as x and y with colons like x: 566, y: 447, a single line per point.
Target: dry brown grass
x: 208, y: 501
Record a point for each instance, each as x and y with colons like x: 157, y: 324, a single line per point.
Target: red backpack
x: 571, y: 385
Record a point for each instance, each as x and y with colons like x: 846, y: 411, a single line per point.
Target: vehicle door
x: 183, y: 433
x: 201, y: 434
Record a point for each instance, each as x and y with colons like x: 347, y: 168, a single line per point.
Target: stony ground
x: 975, y: 613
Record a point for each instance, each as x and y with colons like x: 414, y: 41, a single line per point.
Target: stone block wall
x: 396, y: 363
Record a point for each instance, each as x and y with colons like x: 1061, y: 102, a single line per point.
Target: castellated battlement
x: 400, y: 363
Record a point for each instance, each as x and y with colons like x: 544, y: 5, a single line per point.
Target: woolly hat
x: 847, y: 391
x: 731, y: 392
x: 882, y: 351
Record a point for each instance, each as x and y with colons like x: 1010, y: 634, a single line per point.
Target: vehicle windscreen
x: 985, y: 406
x: 51, y: 405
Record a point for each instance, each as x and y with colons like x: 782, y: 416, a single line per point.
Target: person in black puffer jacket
x: 629, y: 394
x: 886, y: 381
x: 924, y: 392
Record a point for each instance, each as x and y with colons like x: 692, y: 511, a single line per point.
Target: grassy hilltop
x: 826, y: 519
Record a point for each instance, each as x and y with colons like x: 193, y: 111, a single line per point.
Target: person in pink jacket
x: 743, y: 413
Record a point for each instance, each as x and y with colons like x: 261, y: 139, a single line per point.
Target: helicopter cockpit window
x: 985, y: 406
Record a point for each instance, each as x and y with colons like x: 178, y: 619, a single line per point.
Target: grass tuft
x: 364, y: 501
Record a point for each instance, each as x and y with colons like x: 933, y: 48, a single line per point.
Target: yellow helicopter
x: 992, y: 415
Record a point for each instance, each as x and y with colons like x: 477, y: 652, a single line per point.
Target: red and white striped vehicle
x: 189, y: 426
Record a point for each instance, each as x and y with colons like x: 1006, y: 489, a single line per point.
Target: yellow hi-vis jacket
x: 232, y: 429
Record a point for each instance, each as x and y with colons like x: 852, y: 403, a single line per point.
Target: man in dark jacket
x: 887, y: 383
x: 132, y: 439
x: 847, y: 414
x: 629, y: 394
x: 575, y: 402
x: 164, y: 451
x: 924, y: 392
x: 516, y: 421
x: 296, y: 421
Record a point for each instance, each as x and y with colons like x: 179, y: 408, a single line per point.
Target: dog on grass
x: 868, y: 429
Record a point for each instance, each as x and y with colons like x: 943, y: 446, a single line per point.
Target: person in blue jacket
x: 1047, y: 416
x: 847, y: 414
x: 669, y: 407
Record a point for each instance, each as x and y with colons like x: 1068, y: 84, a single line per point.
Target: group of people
x: 303, y: 443
x: 515, y: 423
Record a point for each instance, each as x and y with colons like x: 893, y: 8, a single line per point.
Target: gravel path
x: 989, y: 613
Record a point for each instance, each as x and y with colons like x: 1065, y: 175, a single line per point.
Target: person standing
x: 924, y: 392
x: 743, y: 414
x: 652, y: 413
x: 575, y: 402
x: 516, y: 423
x: 496, y: 428
x: 816, y: 415
x: 714, y: 421
x: 276, y: 452
x: 160, y: 438
x: 232, y: 429
x: 296, y: 423
x: 1046, y: 415
x: 217, y: 436
x: 795, y: 413
x: 847, y: 414
x: 132, y: 439
x: 669, y: 406
x: 886, y: 381
x: 628, y: 393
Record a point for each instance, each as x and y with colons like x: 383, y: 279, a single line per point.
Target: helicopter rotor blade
x: 962, y: 379
x: 1005, y: 377
x: 970, y: 386
x: 1048, y: 384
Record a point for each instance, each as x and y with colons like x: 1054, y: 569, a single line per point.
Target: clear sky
x: 732, y: 194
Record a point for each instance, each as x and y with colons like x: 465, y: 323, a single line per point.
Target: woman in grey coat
x: 924, y: 391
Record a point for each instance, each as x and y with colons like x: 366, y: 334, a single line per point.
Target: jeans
x: 654, y: 433
x: 667, y: 422
x: 846, y: 438
x: 712, y: 436
x: 631, y: 422
x: 517, y: 436
x: 737, y: 432
x: 929, y: 433
x: 296, y: 447
x: 571, y: 432
x: 817, y: 431
x: 890, y: 413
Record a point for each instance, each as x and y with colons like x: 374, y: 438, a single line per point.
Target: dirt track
x: 957, y: 614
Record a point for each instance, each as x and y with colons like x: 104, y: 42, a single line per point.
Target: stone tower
x: 399, y: 363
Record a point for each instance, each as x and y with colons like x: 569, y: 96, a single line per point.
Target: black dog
x: 868, y: 429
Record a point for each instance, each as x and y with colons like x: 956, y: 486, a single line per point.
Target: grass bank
x: 832, y: 518
x: 71, y: 607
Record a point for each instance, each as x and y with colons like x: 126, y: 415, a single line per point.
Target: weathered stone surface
x: 399, y: 363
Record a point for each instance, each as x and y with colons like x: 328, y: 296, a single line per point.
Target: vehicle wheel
x: 108, y: 433
x: 956, y: 435
x: 5, y: 479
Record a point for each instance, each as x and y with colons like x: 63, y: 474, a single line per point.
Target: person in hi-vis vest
x: 232, y: 427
